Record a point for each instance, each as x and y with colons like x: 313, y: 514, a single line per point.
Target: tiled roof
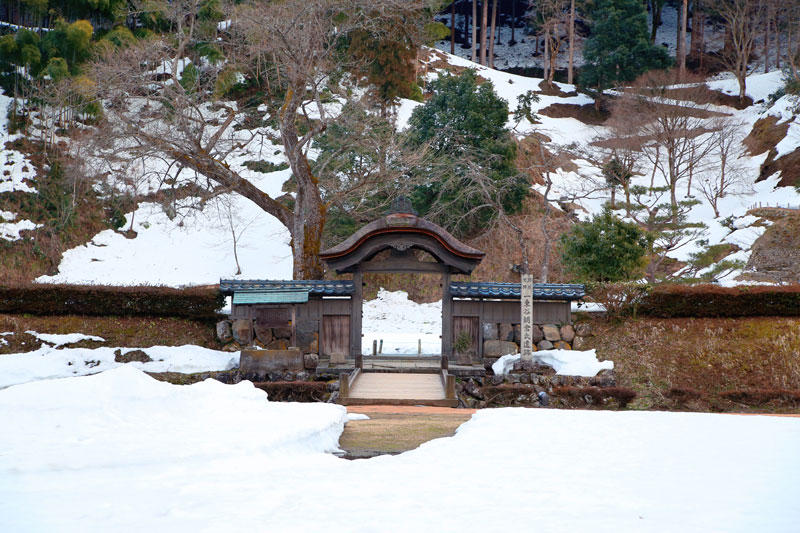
x: 541, y: 291
x: 296, y: 296
x: 314, y: 287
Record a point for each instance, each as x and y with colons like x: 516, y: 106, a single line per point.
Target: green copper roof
x: 270, y: 297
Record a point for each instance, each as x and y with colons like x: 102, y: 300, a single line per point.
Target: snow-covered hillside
x: 121, y: 452
x: 196, y: 246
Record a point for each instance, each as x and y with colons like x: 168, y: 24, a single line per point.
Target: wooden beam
x: 447, y: 320
x: 355, y: 319
x: 402, y: 265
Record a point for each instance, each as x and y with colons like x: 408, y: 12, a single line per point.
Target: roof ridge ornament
x: 401, y: 205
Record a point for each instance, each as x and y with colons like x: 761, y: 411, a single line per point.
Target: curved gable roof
x: 401, y: 231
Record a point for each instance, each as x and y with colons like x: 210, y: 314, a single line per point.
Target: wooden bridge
x: 364, y: 387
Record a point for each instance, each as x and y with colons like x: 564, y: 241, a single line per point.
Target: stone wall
x: 242, y: 333
x: 502, y: 339
x: 538, y: 386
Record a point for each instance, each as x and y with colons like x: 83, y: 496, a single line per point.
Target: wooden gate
x: 465, y: 338
x: 335, y: 337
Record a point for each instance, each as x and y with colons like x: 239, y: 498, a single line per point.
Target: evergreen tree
x: 619, y: 49
x: 605, y: 249
x: 465, y: 125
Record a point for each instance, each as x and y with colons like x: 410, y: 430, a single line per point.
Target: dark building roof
x: 541, y: 291
x: 402, y: 231
x: 314, y: 287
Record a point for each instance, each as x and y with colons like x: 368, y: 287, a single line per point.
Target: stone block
x: 583, y: 329
x: 497, y: 348
x: 544, y: 345
x: 242, y: 331
x: 224, y: 331
x: 307, y: 336
x: 278, y: 344
x: 567, y: 333
x: 489, y: 331
x: 506, y: 332
x: 562, y: 345
x: 551, y: 333
x: 260, y: 363
x: 517, y: 333
x: 579, y: 343
x: 131, y: 356
x: 536, y: 333
x: 310, y: 361
x: 282, y: 333
x: 263, y: 333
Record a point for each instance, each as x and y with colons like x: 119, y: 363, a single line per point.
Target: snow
x: 197, y: 252
x: 356, y: 416
x: 401, y: 323
x: 565, y: 362
x: 59, y: 339
x: 10, y: 231
x: 47, y: 362
x: 15, y: 168
x: 121, y: 452
x: 758, y: 86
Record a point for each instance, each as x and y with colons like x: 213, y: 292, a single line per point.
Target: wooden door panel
x: 335, y: 337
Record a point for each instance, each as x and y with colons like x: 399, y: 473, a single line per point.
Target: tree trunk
x: 546, y: 64
x: 453, y: 28
x: 682, y: 39
x: 513, y: 20
x: 474, y: 22
x: 656, y: 6
x: 309, y: 211
x: 571, y: 41
x: 765, y: 52
x: 697, y: 46
x: 491, y: 37
x: 484, y: 33
x: 777, y: 42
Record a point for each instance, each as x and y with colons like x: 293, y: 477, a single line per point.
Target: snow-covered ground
x: 401, y: 324
x: 565, y: 362
x: 53, y: 361
x: 122, y: 452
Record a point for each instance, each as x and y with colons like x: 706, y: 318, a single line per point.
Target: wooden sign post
x: 526, y: 317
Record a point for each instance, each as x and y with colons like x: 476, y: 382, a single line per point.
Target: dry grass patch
x: 117, y: 331
x: 397, y: 432
x: 677, y: 361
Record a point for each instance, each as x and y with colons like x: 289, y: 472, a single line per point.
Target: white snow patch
x: 401, y: 324
x: 356, y: 416
x: 121, y: 452
x: 60, y: 339
x: 48, y: 362
x: 565, y: 362
x: 196, y: 251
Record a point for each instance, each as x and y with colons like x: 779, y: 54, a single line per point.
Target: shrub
x: 99, y: 300
x: 761, y: 396
x: 622, y: 395
x: 294, y: 391
x: 620, y: 299
x: 675, y: 301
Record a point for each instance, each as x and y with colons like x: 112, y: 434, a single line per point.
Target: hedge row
x: 674, y: 301
x: 101, y: 300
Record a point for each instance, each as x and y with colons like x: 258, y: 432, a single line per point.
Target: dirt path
x: 393, y: 429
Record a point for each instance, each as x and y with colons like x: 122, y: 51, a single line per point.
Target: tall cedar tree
x: 465, y: 122
x: 605, y: 249
x: 619, y: 49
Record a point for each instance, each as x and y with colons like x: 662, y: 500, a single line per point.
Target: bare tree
x: 726, y: 174
x: 742, y: 19
x: 674, y: 136
x: 149, y: 113
x: 571, y: 41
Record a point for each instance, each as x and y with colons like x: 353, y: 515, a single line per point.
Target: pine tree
x: 619, y: 48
